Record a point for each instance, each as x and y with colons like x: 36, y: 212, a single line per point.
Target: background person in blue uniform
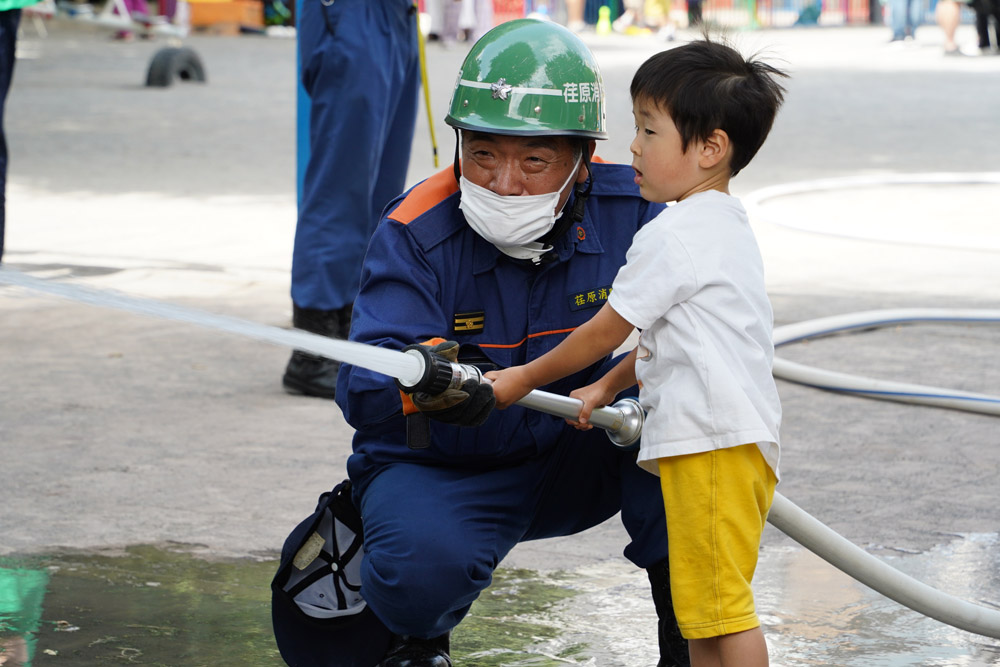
x: 503, y: 255
x: 10, y: 19
x: 360, y: 67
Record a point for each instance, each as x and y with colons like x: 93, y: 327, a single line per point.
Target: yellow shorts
x: 717, y: 504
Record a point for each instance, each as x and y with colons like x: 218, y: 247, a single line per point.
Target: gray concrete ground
x: 118, y: 429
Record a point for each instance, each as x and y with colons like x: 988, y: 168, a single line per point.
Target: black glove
x: 468, y: 405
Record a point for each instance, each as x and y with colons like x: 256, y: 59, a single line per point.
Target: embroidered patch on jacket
x: 470, y: 322
x: 592, y: 298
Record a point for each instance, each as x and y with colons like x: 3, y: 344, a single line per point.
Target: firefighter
x: 492, y: 262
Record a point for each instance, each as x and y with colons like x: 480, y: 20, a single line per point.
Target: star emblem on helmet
x: 500, y: 89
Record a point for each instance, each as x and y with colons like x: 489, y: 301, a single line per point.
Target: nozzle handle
x: 622, y: 420
x: 439, y: 374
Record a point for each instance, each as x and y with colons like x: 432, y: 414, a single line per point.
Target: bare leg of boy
x: 741, y: 649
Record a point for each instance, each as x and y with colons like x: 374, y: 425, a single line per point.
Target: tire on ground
x: 174, y: 63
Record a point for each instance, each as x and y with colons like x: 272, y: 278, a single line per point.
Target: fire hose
x: 622, y: 421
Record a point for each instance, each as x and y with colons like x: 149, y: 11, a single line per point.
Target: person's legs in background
x: 133, y: 8
x: 897, y: 19
x: 574, y: 15
x: 904, y: 17
x: 360, y: 68
x: 633, y: 16
x: 993, y: 12
x: 483, y: 10
x: 452, y: 12
x: 658, y: 17
x: 694, y: 13
x: 988, y: 40
x: 948, y: 15
x: 435, y: 13
x: 9, y: 21
x: 914, y: 11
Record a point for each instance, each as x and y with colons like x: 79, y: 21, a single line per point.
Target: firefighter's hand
x: 469, y: 405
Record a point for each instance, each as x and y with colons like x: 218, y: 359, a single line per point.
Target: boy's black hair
x: 706, y: 85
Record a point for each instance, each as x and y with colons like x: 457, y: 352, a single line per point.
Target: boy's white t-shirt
x: 693, y: 283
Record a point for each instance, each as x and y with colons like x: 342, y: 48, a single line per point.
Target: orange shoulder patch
x: 425, y: 196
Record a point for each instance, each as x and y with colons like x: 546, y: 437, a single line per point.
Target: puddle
x: 147, y: 607
x: 151, y: 606
x: 159, y: 607
x: 812, y: 613
x: 820, y: 616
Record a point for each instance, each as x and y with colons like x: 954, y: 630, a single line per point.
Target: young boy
x: 693, y: 284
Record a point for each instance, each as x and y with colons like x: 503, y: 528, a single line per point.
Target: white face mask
x: 512, y: 223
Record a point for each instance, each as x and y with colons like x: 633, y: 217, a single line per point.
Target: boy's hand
x: 509, y: 385
x: 595, y: 395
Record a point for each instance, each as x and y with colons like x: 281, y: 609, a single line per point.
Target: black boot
x: 673, y: 647
x: 311, y: 374
x: 415, y: 652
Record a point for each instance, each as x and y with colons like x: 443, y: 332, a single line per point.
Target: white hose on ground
x: 883, y: 389
x: 823, y: 541
x: 881, y: 577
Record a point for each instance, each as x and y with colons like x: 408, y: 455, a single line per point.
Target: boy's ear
x: 714, y: 150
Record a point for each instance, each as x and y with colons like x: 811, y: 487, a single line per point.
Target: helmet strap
x: 575, y: 215
x: 456, y: 165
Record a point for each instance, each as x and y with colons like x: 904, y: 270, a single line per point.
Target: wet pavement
x: 176, y: 448
x: 167, y: 606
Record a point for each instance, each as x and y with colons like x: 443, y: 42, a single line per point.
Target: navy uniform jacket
x: 427, y: 274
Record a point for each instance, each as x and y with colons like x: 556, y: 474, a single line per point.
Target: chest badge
x: 469, y: 323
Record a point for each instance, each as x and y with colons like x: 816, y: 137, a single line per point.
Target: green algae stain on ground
x: 153, y: 607
x: 165, y: 607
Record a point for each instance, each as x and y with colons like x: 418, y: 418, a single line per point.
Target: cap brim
x: 360, y: 640
x: 352, y: 640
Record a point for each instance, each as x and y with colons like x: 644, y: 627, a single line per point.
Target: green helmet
x: 529, y: 77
